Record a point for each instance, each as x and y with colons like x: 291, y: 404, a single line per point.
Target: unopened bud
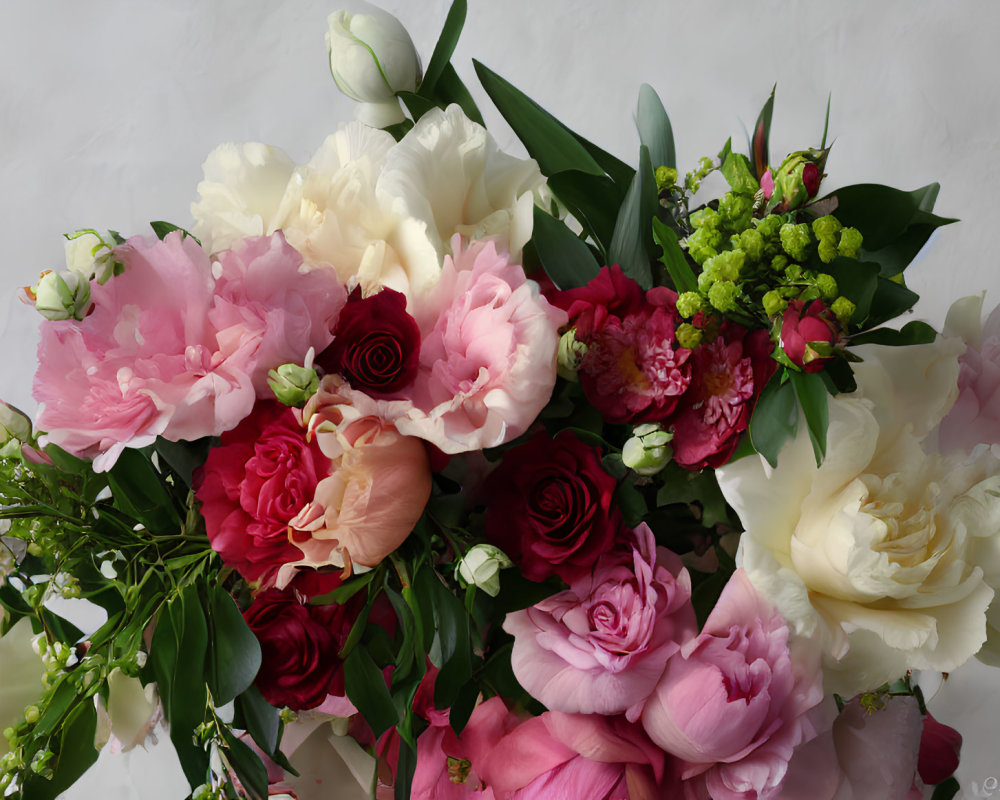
x: 293, y: 385
x: 480, y: 567
x: 648, y: 451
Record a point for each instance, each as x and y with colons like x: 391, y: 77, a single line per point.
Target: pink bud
x: 939, y: 749
x: 767, y: 184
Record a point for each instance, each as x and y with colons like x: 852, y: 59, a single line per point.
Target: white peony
x: 889, y: 552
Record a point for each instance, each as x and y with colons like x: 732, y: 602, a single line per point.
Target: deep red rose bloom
x: 253, y: 484
x: 550, y: 507
x: 376, y: 344
x: 803, y: 325
x: 728, y: 375
x: 940, y: 746
x: 299, y: 645
x: 610, y: 294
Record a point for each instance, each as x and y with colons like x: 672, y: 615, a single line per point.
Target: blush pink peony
x: 732, y: 704
x: 175, y: 347
x: 600, y: 646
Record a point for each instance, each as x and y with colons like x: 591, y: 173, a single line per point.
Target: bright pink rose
x: 803, y: 326
x: 610, y: 294
x: 600, y: 646
x: 728, y: 375
x: 378, y: 484
x: 253, y: 484
x: 975, y: 417
x: 560, y: 755
x: 634, y: 370
x: 171, y: 351
x: 550, y: 507
x: 732, y: 703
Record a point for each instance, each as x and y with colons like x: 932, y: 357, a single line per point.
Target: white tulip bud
x: 481, y: 568
x: 371, y: 58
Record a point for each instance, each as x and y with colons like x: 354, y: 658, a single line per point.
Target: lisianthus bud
x: 481, y: 566
x: 808, y: 334
x: 63, y: 295
x: 371, y: 58
x: 571, y: 351
x: 648, y: 451
x: 293, y: 385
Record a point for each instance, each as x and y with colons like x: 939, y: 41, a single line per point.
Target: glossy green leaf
x: 444, y: 48
x: 629, y: 500
x: 814, y: 401
x: 162, y: 229
x: 138, y: 490
x: 654, y: 127
x: 593, y: 200
x: 702, y: 487
x: 235, y: 653
x: 566, y: 260
x: 857, y: 281
x: 183, y: 457
x: 738, y: 173
x: 673, y: 258
x: 451, y: 89
x: 705, y: 594
x: 546, y: 139
x: 75, y: 754
x: 367, y: 690
x: 247, y: 764
x: 416, y: 104
x: 775, y: 418
x: 632, y: 242
x: 463, y: 706
x: 262, y: 720
x: 914, y: 332
x: 406, y: 766
x: 619, y: 172
x: 889, y: 301
x: 452, y: 631
x: 947, y: 789
x: 759, y: 142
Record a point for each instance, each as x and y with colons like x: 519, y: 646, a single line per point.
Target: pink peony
x: 732, y: 703
x: 600, y: 646
x: 253, y: 484
x: 172, y: 351
x: 803, y: 326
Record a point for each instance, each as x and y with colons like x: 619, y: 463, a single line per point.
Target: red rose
x: 550, y: 507
x: 610, y: 294
x: 261, y: 475
x: 299, y: 646
x: 804, y: 326
x: 811, y: 179
x: 376, y: 344
x: 940, y: 746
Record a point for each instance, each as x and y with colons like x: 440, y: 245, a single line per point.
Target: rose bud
x: 481, y: 566
x: 796, y: 181
x: 808, y: 334
x: 60, y: 296
x: 940, y: 746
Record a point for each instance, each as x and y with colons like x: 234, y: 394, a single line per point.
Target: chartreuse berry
x: 688, y: 304
x: 795, y: 240
x: 843, y: 309
x: 827, y: 286
x: 850, y: 242
x: 722, y: 295
x: 773, y: 303
x: 688, y: 335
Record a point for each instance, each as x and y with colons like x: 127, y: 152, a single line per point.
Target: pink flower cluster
x: 634, y: 369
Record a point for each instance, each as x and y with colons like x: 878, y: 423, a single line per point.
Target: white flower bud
x: 481, y: 568
x: 371, y: 58
x: 80, y: 250
x: 63, y: 295
x: 648, y: 451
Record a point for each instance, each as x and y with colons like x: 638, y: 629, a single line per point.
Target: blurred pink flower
x: 732, y: 703
x: 600, y: 646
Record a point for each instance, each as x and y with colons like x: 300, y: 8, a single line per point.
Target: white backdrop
x: 107, y: 109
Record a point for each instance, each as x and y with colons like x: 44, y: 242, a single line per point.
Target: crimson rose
x: 376, y: 344
x: 802, y: 327
x: 550, y: 507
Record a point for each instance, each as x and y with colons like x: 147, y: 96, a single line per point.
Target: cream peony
x: 888, y: 553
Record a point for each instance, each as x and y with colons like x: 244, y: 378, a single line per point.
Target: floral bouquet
x: 458, y: 474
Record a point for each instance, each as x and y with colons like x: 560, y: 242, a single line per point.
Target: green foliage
x: 566, y: 260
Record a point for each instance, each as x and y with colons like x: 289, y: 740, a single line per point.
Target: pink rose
x: 600, y: 646
x: 251, y: 487
x: 172, y: 351
x: 732, y: 703
x: 803, y: 326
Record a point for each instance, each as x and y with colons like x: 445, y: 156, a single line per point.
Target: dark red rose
x: 253, y: 484
x: 550, y: 507
x: 610, y: 294
x: 299, y: 646
x: 811, y: 178
x: 728, y: 375
x: 376, y: 344
x: 802, y: 327
x: 940, y: 746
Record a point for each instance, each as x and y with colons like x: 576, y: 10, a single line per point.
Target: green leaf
x: 775, y: 418
x: 183, y: 457
x: 235, y: 652
x: 565, y: 259
x: 894, y: 224
x: 705, y: 595
x: 632, y: 242
x: 548, y: 141
x: 914, y: 332
x: 826, y: 121
x: 450, y: 89
x: 619, y: 172
x: 684, y: 486
x: 247, y: 764
x: 162, y: 229
x: 138, y: 491
x: 75, y: 754
x: 593, y: 200
x: 463, y: 706
x: 946, y: 790
x: 416, y: 104
x: 262, y: 720
x: 737, y: 172
x: 406, y: 766
x: 813, y: 399
x: 654, y: 127
x: 444, y: 48
x: 452, y: 632
x: 759, y: 152
x: 631, y: 502
x: 367, y: 690
x: 890, y: 300
x: 857, y: 281
x: 673, y: 258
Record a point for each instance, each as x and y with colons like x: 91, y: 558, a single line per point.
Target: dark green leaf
x: 247, y: 764
x: 138, y: 491
x: 826, y: 121
x: 161, y: 229
x: 444, y: 48
x: 75, y: 754
x: 890, y: 300
x: 946, y: 790
x: 631, y: 503
x: 840, y: 374
x: 759, y: 152
x: 346, y: 590
x: 857, y: 281
x: 654, y: 128
x: 775, y: 418
x: 450, y: 89
x: 183, y: 457
x: 914, y: 332
x: 632, y: 242
x: 59, y: 703
x: 406, y: 766
x: 705, y: 594
x: 619, y: 172
x: 684, y: 486
x: 813, y: 400
x: 262, y: 720
x: 673, y: 258
x: 62, y: 629
x: 367, y: 690
x: 565, y: 259
x: 463, y: 705
x: 235, y: 651
x: 547, y: 140
x: 593, y: 200
x: 416, y: 104
x: 452, y: 632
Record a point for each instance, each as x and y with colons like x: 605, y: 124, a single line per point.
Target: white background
x: 107, y: 110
